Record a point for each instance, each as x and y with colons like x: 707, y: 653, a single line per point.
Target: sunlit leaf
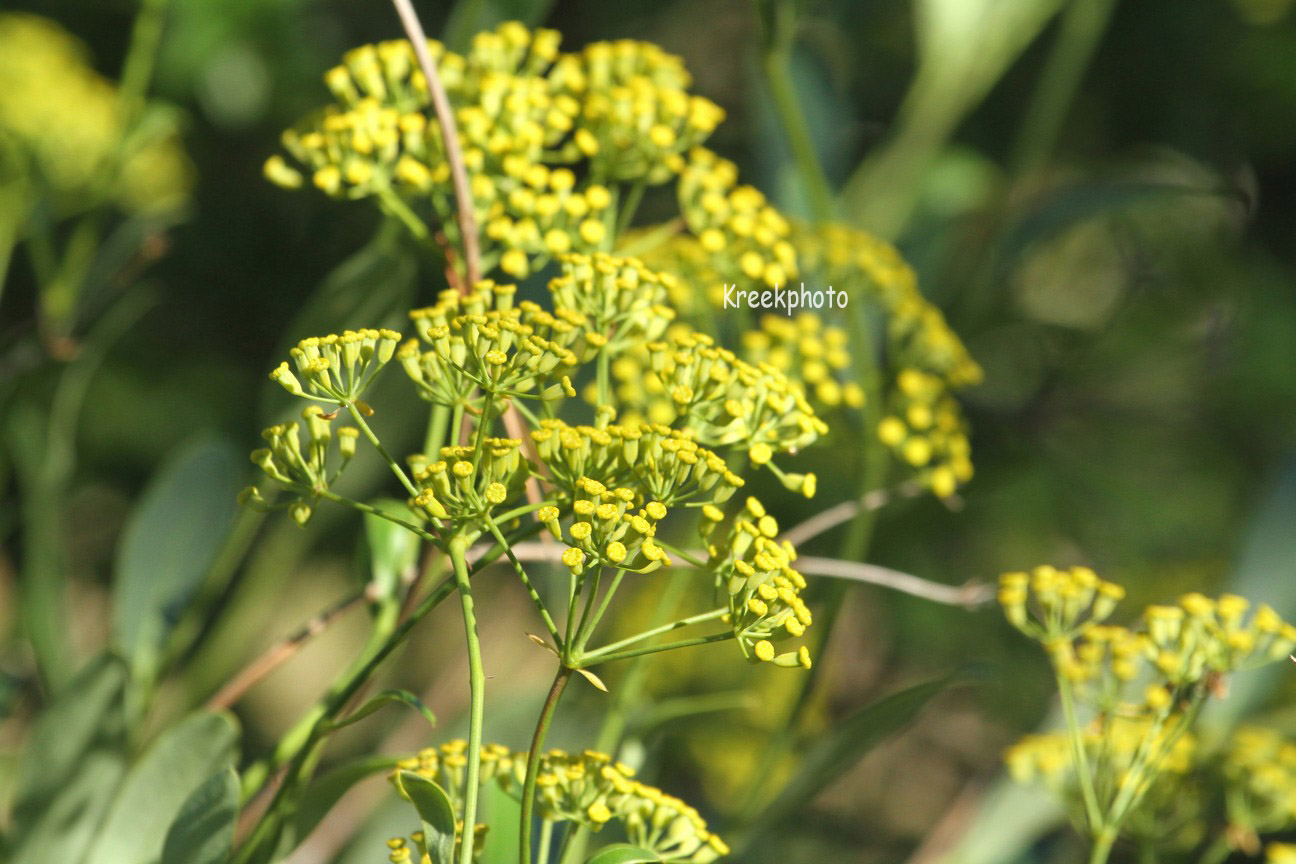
x: 203, y: 832
x: 436, y: 812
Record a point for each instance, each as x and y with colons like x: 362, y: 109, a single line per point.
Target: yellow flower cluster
x: 637, y: 116
x: 924, y: 427
x: 524, y: 113
x: 1200, y: 636
x: 455, y: 486
x: 1259, y: 767
x: 587, y: 788
x: 734, y: 224
x: 608, y: 529
x: 666, y: 464
x: 725, y: 400
x: 337, y: 369
x: 1111, y: 748
x: 621, y: 298
x: 809, y: 353
x: 60, y: 120
x: 755, y: 572
x: 1053, y: 605
x: 509, y: 350
x: 302, y: 470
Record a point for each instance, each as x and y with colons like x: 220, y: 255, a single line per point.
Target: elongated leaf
x: 623, y: 853
x: 387, y: 697
x: 392, y: 550
x: 325, y: 792
x: 170, y: 541
x: 841, y: 748
x: 437, y: 813
x: 90, y: 709
x: 159, y: 784
x: 203, y: 832
x: 64, y: 829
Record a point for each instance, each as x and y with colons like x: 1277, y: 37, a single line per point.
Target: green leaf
x: 841, y: 748
x: 325, y: 792
x: 437, y: 813
x: 171, y: 539
x: 65, y: 827
x: 387, y: 697
x: 181, y: 759
x: 623, y: 853
x: 393, y: 551
x: 203, y: 832
x: 89, y: 710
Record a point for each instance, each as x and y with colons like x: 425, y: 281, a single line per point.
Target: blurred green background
x: 1099, y: 195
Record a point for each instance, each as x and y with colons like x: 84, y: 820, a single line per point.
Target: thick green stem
x: 533, y: 761
x: 477, y: 697
x: 1102, y: 846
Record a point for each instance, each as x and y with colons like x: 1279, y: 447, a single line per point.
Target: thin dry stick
x: 969, y: 595
x: 450, y: 137
x: 280, y: 652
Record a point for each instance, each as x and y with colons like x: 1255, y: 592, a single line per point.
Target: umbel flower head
x: 63, y: 122
x: 457, y: 487
x: 337, y: 369
x: 608, y: 529
x: 754, y: 571
x: 585, y: 789
x: 1053, y: 605
x: 621, y: 298
x: 302, y: 468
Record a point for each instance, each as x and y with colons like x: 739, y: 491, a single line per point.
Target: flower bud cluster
x: 302, y: 469
x: 755, y: 572
x: 726, y: 400
x: 620, y: 297
x: 924, y: 427
x: 456, y: 487
x: 1052, y: 605
x: 63, y: 121
x: 337, y: 369
x: 1199, y: 636
x: 510, y: 350
x: 666, y: 464
x: 637, y: 118
x: 811, y: 354
x: 608, y: 529
x: 1259, y: 768
x: 586, y: 788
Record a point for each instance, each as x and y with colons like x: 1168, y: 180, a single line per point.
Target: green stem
x: 141, y: 57
x: 533, y: 763
x: 630, y: 206
x: 700, y: 618
x: 655, y: 649
x: 588, y: 628
x: 477, y: 694
x: 382, y: 514
x: 1102, y: 846
x: 382, y: 451
x: 604, y: 378
x: 776, y: 63
x: 546, y: 840
x: 393, y: 205
x: 438, y: 421
x: 1093, y: 814
x: 1083, y: 25
x: 683, y: 553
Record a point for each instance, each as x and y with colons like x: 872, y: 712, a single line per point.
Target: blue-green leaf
x: 203, y: 832
x: 171, y: 539
x: 181, y: 759
x: 89, y: 710
x: 437, y: 813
